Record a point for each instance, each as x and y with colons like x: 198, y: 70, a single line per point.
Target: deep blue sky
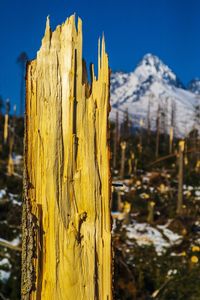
x: 167, y: 28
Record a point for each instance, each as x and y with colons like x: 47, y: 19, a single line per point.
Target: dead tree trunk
x: 123, y: 156
x: 180, y: 178
x: 66, y: 249
x: 150, y: 217
x: 10, y: 166
x: 158, y: 132
x: 5, y: 132
x: 6, y: 121
x: 171, y: 137
x: 116, y: 141
x: 141, y: 136
x: 131, y: 164
x: 149, y: 120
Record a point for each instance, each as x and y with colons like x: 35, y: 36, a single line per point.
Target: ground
x: 156, y: 250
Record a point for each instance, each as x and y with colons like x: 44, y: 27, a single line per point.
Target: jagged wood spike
x: 5, y: 132
x: 66, y: 250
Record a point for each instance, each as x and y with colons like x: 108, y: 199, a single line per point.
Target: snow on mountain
x: 194, y: 86
x: 150, y: 86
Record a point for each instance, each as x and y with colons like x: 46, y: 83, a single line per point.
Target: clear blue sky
x: 167, y: 28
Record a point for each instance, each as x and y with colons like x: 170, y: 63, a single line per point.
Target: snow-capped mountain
x: 150, y: 86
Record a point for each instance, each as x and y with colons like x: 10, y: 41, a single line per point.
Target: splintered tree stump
x: 66, y: 249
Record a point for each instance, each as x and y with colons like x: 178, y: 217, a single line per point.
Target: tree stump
x: 66, y: 249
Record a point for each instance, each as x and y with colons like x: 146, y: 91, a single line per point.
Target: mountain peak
x: 151, y: 65
x: 151, y: 59
x: 150, y: 86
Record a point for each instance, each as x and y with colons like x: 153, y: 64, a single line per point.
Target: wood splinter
x: 66, y: 249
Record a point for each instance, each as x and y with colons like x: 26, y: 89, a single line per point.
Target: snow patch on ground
x: 4, y: 262
x: 161, y: 237
x: 4, y: 275
x: 14, y: 198
x: 2, y: 193
x: 17, y: 159
x: 14, y: 242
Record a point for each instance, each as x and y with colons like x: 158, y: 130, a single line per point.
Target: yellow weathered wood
x: 180, y: 177
x: 67, y: 172
x: 5, y: 133
x: 171, y: 137
x: 123, y: 156
x: 10, y: 166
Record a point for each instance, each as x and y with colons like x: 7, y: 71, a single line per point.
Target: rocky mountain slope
x: 151, y: 85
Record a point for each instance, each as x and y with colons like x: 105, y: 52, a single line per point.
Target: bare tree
x: 172, y: 124
x: 125, y: 126
x: 157, y: 131
x: 123, y: 157
x: 197, y: 126
x: 6, y: 120
x: 149, y: 118
x: 180, y: 177
x: 116, y: 140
